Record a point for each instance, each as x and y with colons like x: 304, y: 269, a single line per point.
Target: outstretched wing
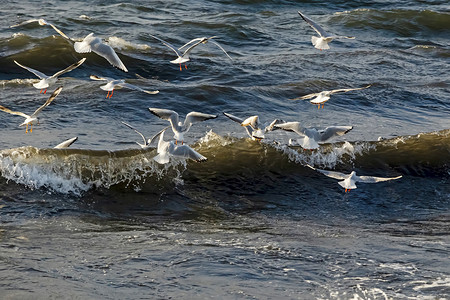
x: 66, y: 144
x: 109, y: 54
x: 194, y: 117
x: 95, y: 77
x: 131, y: 127
x: 252, y: 121
x: 185, y: 151
x: 49, y: 100
x: 69, y: 68
x: 220, y: 47
x: 167, y: 44
x: 234, y: 118
x: 165, y: 114
x: 332, y: 174
x: 156, y: 136
x: 190, y: 42
x: 372, y: 179
x: 314, y: 25
x: 292, y: 126
x: 133, y: 87
x: 348, y: 90
x: 7, y: 110
x: 35, y: 72
x: 59, y: 31
x: 271, y: 126
x: 309, y: 96
x: 332, y: 131
x: 25, y: 22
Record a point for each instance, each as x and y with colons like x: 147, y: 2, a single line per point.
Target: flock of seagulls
x: 310, y: 138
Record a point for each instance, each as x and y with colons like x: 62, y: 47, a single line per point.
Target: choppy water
x: 102, y: 220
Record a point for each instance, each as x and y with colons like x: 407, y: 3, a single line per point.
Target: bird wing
x: 85, y: 45
x: 24, y: 23
x: 348, y: 90
x: 133, y: 87
x: 190, y: 42
x: 69, y: 68
x: 234, y: 118
x: 292, y: 126
x: 252, y: 121
x: 131, y: 127
x: 332, y: 174
x: 332, y: 131
x: 95, y: 77
x: 314, y: 25
x: 66, y: 144
x: 187, y: 152
x: 195, y: 44
x: 220, y: 47
x: 35, y: 72
x: 59, y: 31
x: 167, y: 44
x: 109, y: 54
x: 158, y: 135
x: 7, y: 110
x: 309, y: 96
x: 49, y: 100
x: 166, y: 114
x: 194, y: 117
x: 271, y: 126
x: 372, y: 179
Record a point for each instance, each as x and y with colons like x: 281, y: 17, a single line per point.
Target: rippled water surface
x: 103, y: 220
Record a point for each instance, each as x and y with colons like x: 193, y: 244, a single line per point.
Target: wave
x: 75, y: 171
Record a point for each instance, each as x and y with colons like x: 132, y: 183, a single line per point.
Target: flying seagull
x: 311, y: 136
x: 46, y: 81
x: 324, y: 38
x: 112, y: 83
x: 183, y: 57
x: 30, y: 119
x: 179, y: 128
x: 170, y: 149
x: 94, y: 44
x: 349, y: 180
x: 41, y: 22
x: 251, y: 125
x: 324, y: 96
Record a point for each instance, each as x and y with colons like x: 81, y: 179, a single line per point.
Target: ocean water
x: 103, y: 220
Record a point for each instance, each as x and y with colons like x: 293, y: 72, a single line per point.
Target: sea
x: 103, y: 220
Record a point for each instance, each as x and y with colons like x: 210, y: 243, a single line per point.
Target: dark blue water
x: 103, y: 220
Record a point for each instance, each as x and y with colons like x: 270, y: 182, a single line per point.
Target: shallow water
x: 103, y: 220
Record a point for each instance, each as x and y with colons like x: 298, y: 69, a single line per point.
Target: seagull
x: 167, y: 149
x: 311, y: 136
x: 349, y: 180
x: 322, y: 41
x: 147, y: 142
x: 184, y: 57
x: 66, y: 144
x: 324, y: 96
x: 46, y: 81
x: 251, y: 125
x: 113, y: 83
x: 42, y: 22
x: 178, y: 128
x: 29, y: 120
x: 92, y: 43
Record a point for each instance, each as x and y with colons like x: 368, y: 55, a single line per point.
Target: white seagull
x: 184, y: 57
x: 42, y: 22
x: 46, y: 81
x: 95, y: 44
x: 324, y: 38
x: 30, y: 119
x: 179, y: 128
x: 112, y: 84
x: 167, y: 149
x: 311, y: 136
x: 66, y: 144
x: 349, y: 180
x: 251, y: 125
x: 324, y: 96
